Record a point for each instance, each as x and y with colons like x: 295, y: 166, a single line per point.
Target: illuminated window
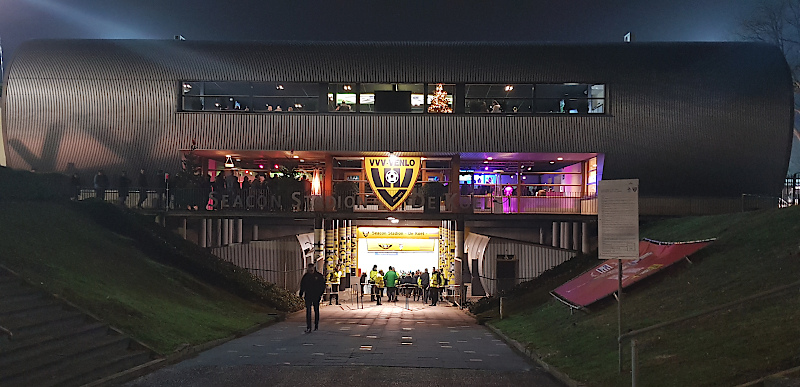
x: 498, y: 98
x: 570, y: 98
x: 249, y: 96
x: 440, y: 97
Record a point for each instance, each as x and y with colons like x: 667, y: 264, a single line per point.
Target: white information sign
x: 618, y: 219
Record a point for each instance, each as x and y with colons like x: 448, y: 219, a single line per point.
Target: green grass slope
x: 754, y: 252
x: 113, y: 274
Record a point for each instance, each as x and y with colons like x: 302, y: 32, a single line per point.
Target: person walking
x: 142, y: 183
x: 391, y: 284
x: 418, y: 288
x: 436, y: 283
x: 362, y: 284
x: 372, y: 275
x: 379, y: 284
x: 312, y: 285
x: 100, y: 185
x: 335, y: 278
x: 424, y: 283
x: 124, y: 187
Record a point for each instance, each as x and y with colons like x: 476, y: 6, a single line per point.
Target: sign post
x: 618, y: 231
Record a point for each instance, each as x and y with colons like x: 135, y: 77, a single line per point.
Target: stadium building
x: 478, y: 158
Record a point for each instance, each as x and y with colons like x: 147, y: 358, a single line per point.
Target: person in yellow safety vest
x: 418, y: 282
x: 334, y: 279
x: 379, y: 286
x: 436, y: 283
x: 372, y: 275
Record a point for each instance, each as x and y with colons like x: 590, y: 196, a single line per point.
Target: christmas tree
x: 439, y: 102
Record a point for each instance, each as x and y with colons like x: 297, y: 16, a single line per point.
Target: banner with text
x: 603, y: 280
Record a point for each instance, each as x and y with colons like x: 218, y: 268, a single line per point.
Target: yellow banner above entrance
x: 401, y: 244
x: 399, y: 232
x: 392, y: 178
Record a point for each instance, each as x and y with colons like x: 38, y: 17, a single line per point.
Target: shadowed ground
x: 421, y: 345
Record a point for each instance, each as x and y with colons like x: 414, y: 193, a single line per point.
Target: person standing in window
x: 496, y: 107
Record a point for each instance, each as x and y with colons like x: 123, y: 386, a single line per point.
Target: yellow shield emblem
x: 392, y: 178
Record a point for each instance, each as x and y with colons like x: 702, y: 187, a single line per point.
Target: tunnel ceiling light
x: 560, y: 159
x: 552, y: 162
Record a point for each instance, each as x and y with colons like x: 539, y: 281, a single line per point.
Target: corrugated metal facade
x: 700, y: 119
x: 279, y: 261
x: 532, y: 260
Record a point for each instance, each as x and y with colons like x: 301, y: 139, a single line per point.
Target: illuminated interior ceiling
x: 476, y: 161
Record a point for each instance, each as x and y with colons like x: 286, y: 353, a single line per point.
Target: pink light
x: 486, y: 169
x: 276, y: 166
x: 260, y: 166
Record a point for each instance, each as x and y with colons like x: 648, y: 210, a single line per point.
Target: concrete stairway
x: 46, y: 342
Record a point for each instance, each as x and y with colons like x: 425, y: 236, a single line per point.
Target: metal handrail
x: 6, y: 331
x: 632, y: 334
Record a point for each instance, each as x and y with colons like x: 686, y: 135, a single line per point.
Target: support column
x: 460, y: 257
x: 541, y: 235
x: 218, y: 232
x: 556, y: 227
x: 576, y: 236
x: 585, y: 237
x: 202, y: 237
x: 239, y: 232
x: 565, y: 235
x: 255, y: 231
x: 319, y: 247
x: 327, y: 187
x: 455, y: 188
x: 184, y: 227
x: 210, y: 232
x: 224, y: 231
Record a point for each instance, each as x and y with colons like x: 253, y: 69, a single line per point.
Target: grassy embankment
x: 127, y: 271
x: 754, y: 252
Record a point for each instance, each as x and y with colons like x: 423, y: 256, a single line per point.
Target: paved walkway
x: 421, y: 345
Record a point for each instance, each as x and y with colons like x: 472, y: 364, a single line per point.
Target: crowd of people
x: 421, y: 285
x: 102, y: 183
x: 197, y: 197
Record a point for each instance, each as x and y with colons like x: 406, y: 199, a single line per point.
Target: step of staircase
x: 44, y: 346
x: 93, y: 364
x: 9, y: 308
x: 38, y: 360
x: 19, y: 344
x: 54, y: 344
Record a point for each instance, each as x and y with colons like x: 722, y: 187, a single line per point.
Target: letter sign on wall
x: 392, y: 178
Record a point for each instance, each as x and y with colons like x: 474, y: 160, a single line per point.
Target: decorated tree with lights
x: 439, y: 102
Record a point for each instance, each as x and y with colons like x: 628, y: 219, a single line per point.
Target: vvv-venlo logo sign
x: 392, y: 178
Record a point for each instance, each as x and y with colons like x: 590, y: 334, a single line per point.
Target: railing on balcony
x: 367, y: 202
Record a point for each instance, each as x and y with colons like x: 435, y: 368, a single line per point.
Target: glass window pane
x: 341, y: 97
x: 498, y: 98
x: 440, y: 97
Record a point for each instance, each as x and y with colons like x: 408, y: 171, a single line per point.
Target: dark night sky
x: 413, y: 20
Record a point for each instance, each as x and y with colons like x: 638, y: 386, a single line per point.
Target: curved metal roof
x: 684, y: 118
